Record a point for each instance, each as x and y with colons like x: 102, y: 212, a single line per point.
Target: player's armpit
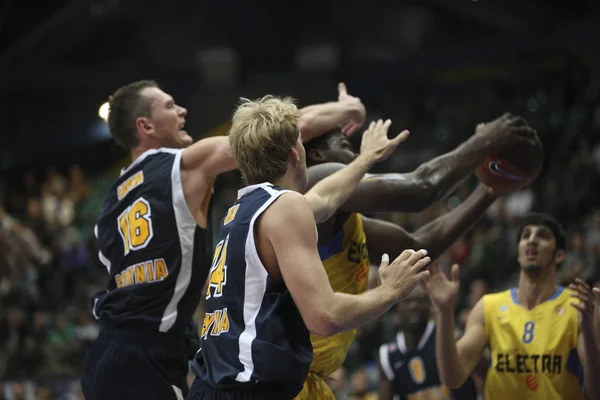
x: 210, y: 157
x: 291, y: 229
x: 410, y: 192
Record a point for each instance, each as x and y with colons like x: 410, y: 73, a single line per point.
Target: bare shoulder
x: 476, y: 316
x: 290, y: 209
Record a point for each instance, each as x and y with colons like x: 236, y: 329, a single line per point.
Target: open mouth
x: 531, y: 254
x: 182, y: 126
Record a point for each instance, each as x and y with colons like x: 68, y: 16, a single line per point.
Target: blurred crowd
x: 49, y: 268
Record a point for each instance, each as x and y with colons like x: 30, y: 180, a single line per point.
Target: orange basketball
x: 513, y: 169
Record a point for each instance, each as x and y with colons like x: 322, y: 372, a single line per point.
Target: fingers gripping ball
x: 513, y: 169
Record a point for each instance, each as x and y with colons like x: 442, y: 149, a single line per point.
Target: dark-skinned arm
x: 435, y: 179
x: 436, y: 236
x: 413, y: 191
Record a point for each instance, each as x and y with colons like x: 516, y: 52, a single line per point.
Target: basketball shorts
x: 200, y: 391
x: 315, y: 388
x: 124, y: 365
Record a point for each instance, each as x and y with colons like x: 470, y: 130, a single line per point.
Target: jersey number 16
x: 135, y: 226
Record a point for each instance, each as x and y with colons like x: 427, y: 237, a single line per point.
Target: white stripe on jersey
x: 186, y: 227
x: 384, y: 360
x: 254, y: 290
x: 105, y: 261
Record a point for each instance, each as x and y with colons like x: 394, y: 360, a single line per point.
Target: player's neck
x: 138, y: 151
x: 413, y: 337
x: 535, y: 287
x: 287, y: 181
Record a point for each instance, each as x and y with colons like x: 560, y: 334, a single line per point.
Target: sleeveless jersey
x: 253, y: 334
x: 534, y: 352
x: 155, y: 253
x: 346, y: 262
x: 413, y: 373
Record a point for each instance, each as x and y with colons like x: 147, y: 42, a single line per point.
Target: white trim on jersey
x: 384, y: 360
x: 402, y: 341
x: 186, y: 227
x: 105, y: 261
x: 145, y: 154
x: 94, y: 308
x: 255, y: 286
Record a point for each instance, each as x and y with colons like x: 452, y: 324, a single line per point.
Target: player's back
x: 534, y: 352
x: 346, y: 262
x: 413, y: 373
x: 253, y: 335
x: 155, y: 253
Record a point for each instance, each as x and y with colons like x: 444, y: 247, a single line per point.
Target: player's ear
x: 560, y: 255
x: 144, y: 125
x: 294, y: 156
x: 316, y: 155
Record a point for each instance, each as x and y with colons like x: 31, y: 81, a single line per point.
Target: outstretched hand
x: 585, y: 306
x: 441, y: 290
x: 375, y: 141
x: 361, y: 113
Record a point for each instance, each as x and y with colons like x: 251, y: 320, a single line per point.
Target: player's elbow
x: 429, y: 192
x: 452, y: 380
x: 323, y: 324
x: 306, y: 126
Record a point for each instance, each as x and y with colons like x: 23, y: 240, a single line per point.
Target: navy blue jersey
x: 156, y: 255
x: 413, y: 373
x: 253, y: 334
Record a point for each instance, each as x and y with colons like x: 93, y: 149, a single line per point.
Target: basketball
x: 512, y: 169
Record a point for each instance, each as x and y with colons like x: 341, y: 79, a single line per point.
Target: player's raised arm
x: 327, y: 195
x: 347, y: 113
x: 455, y: 360
x: 210, y: 156
x: 587, y: 346
x: 436, y: 236
x: 290, y: 228
x: 433, y: 180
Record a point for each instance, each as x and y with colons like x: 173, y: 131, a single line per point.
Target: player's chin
x: 530, y: 266
x: 184, y: 138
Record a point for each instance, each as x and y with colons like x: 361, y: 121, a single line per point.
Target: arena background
x: 436, y: 67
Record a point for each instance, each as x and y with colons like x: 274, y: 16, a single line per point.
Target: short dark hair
x: 550, y: 223
x: 125, y: 106
x: 320, y: 143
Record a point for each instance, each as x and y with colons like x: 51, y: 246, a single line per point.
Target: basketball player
x: 267, y: 287
x: 541, y: 339
x: 153, y: 241
x: 349, y: 242
x: 407, y: 369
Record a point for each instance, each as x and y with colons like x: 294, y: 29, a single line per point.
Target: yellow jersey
x: 534, y: 352
x: 346, y: 261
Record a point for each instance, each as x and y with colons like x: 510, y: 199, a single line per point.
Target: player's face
x: 339, y: 149
x: 167, y: 119
x: 413, y: 312
x: 537, y: 247
x: 300, y: 171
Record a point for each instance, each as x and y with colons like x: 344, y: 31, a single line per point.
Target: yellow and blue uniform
x: 534, y: 352
x: 346, y: 262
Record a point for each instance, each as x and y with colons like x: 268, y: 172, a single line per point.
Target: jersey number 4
x: 135, y: 225
x: 218, y: 271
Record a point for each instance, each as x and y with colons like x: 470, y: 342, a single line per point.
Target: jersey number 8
x: 528, y: 332
x: 135, y: 225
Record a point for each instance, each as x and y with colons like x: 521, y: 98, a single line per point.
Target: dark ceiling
x: 61, y: 56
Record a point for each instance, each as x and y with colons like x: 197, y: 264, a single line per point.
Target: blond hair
x: 262, y: 133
